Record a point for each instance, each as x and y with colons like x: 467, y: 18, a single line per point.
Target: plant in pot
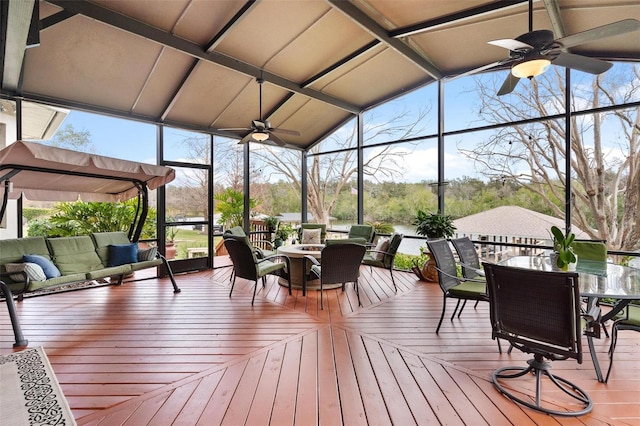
x: 432, y: 226
x: 563, y: 258
x: 271, y: 222
x: 170, y: 246
x: 283, y: 233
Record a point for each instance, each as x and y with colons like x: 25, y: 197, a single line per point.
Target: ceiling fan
x: 532, y: 53
x: 261, y: 129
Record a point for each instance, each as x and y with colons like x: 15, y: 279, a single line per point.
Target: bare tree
x: 605, y: 152
x: 329, y: 174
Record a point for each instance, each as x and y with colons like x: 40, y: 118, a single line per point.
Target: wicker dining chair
x: 539, y: 313
x: 339, y: 264
x: 246, y: 265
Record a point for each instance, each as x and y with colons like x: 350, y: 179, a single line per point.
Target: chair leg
x: 233, y: 282
x: 612, y: 348
x: 321, y: 296
x: 453, y: 315
x: 476, y: 305
x: 357, y: 292
x: 463, y: 305
x: 444, y: 307
x: 395, y: 288
x: 255, y: 287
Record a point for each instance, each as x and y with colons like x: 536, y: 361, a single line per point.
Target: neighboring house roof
x: 512, y: 221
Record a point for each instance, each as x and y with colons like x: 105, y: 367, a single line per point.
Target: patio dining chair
x: 539, y: 313
x: 339, y: 264
x: 366, y: 232
x: 304, y: 236
x: 383, y: 255
x: 593, y: 250
x: 469, y: 260
x: 453, y: 286
x: 247, y: 265
x: 628, y: 319
x: 237, y: 233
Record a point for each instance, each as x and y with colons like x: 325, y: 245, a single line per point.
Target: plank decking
x: 139, y: 354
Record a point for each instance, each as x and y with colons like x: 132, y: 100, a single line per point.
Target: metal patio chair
x: 453, y: 286
x: 539, y: 313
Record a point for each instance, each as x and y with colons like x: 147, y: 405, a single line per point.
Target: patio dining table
x: 296, y: 252
x: 597, y: 280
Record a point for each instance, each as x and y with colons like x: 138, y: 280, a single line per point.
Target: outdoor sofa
x: 68, y: 260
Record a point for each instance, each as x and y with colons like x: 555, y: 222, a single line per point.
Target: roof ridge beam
x: 362, y: 19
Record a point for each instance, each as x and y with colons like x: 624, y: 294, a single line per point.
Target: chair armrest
x: 461, y: 279
x: 592, y: 319
x: 478, y: 271
x: 309, y: 258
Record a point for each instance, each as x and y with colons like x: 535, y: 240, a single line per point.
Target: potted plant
x: 170, y: 247
x: 283, y: 233
x: 432, y: 226
x: 271, y: 222
x: 563, y: 256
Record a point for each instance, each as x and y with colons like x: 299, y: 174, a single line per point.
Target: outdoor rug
x: 29, y: 391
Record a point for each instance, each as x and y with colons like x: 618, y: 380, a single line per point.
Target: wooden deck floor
x: 139, y: 354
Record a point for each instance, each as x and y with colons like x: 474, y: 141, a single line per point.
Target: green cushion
x: 108, y: 272
x: 74, y: 254
x: 469, y: 289
x: 12, y: 250
x: 590, y: 250
x: 268, y: 267
x: 102, y: 241
x: 366, y: 232
x: 357, y: 240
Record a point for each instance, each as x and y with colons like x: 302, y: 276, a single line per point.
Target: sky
x: 135, y: 141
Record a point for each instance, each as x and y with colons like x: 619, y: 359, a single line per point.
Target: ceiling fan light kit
x: 532, y: 53
x: 260, y: 136
x: 261, y: 129
x: 530, y: 68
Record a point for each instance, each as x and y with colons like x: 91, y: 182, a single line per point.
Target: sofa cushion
x: 74, y: 254
x: 12, y: 250
x: 109, y: 272
x: 102, y: 241
x: 147, y: 254
x: 50, y: 270
x: 122, y: 254
x: 33, y: 271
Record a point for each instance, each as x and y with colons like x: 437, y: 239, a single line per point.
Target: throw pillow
x: 311, y: 236
x: 383, y: 245
x: 122, y: 254
x: 147, y: 254
x: 50, y: 270
x: 33, y: 271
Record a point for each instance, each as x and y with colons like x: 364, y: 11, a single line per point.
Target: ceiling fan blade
x: 509, y: 84
x: 285, y: 131
x: 276, y: 140
x: 510, y: 44
x: 609, y: 30
x: 482, y: 68
x: 582, y: 63
x: 246, y: 139
x: 235, y: 128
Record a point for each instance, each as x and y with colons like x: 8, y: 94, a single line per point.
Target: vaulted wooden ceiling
x: 194, y: 63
